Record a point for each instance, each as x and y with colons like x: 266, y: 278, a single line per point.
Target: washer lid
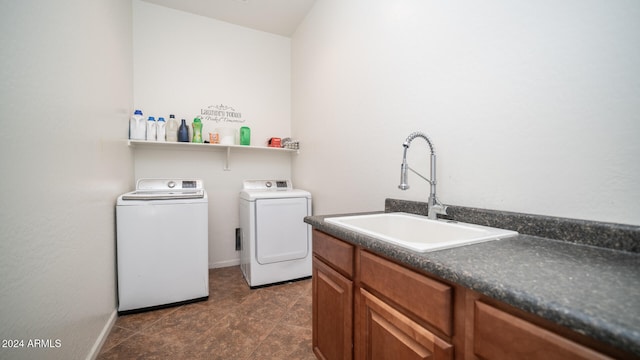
x: 163, y: 195
x: 166, y: 189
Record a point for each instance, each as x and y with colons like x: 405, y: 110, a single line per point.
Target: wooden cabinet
x: 369, y: 307
x: 398, y: 323
x: 332, y: 298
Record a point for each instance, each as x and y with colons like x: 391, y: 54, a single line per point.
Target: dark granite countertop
x: 589, y: 289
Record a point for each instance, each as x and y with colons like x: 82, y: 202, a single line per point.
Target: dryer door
x: 281, y: 233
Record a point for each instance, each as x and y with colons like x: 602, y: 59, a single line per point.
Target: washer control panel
x: 169, y: 184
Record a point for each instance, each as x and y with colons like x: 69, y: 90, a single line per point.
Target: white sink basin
x: 419, y: 233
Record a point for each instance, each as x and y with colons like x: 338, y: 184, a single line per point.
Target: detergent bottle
x: 137, y: 126
x: 161, y: 130
x: 151, y: 129
x: 197, y: 130
x: 172, y: 129
x: 183, y: 132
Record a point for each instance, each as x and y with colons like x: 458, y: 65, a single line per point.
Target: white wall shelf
x: 144, y: 144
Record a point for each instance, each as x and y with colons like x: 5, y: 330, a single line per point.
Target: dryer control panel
x: 266, y: 185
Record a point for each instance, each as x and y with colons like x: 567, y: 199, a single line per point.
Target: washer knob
x: 268, y: 184
x: 171, y: 184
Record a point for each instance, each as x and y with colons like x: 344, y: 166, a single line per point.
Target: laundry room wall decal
x: 221, y: 113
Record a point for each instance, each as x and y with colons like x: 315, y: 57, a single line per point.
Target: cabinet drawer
x: 428, y: 299
x: 336, y: 252
x: 499, y: 335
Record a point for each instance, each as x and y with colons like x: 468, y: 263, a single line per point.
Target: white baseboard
x: 225, y: 263
x: 95, y: 350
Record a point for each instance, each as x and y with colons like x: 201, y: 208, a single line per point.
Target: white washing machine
x: 162, y: 244
x: 275, y: 240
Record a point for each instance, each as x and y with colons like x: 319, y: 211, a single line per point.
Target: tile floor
x: 235, y: 323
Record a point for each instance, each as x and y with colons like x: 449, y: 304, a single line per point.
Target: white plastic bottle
x: 151, y: 129
x: 137, y: 126
x: 172, y: 129
x: 161, y: 130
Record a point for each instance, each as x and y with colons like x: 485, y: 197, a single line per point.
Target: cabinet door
x: 385, y: 333
x: 332, y: 313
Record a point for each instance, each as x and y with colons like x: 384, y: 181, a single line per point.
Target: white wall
x: 184, y: 63
x: 533, y: 107
x: 65, y: 89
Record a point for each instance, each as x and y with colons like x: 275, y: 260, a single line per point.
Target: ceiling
x: 280, y: 17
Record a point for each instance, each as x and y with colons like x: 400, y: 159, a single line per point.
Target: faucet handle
x: 436, y: 209
x: 440, y: 209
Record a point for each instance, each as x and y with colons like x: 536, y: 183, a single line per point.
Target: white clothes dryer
x: 275, y: 240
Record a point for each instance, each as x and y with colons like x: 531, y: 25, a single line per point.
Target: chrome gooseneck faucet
x: 435, y: 206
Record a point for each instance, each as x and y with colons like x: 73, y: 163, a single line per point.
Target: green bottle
x: 197, y: 130
x: 245, y: 136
